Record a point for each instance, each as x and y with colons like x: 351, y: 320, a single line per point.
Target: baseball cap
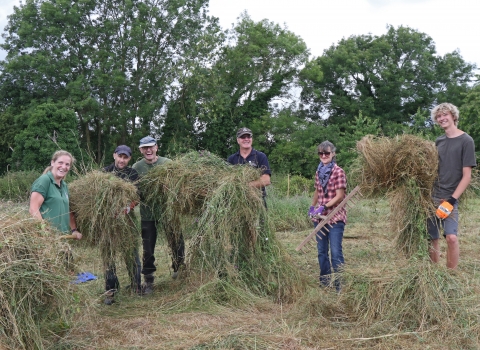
x: 244, y: 131
x: 122, y: 149
x: 147, y: 141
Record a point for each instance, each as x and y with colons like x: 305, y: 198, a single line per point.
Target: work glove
x: 452, y: 201
x: 129, y: 208
x: 445, y: 208
x: 310, y: 212
x: 317, y: 212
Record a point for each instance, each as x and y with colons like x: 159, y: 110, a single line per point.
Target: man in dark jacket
x: 249, y: 155
x: 120, y: 168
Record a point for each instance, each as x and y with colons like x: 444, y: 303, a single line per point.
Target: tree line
x: 92, y: 74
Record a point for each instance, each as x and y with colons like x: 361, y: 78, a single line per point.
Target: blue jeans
x: 330, y: 239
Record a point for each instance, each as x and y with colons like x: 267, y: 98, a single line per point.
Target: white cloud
x: 321, y: 23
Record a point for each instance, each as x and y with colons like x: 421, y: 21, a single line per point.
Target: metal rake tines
x: 347, y: 201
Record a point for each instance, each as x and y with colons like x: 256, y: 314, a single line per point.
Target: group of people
x: 456, y: 152
x: 49, y: 199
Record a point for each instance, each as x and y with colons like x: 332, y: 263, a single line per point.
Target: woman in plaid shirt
x: 330, y: 188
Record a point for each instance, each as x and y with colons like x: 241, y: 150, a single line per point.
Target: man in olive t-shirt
x: 148, y: 148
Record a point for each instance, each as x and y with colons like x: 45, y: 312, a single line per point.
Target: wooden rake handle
x: 328, y: 218
x: 67, y: 237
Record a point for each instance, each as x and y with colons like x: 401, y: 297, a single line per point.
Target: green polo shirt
x: 142, y: 168
x: 55, y: 207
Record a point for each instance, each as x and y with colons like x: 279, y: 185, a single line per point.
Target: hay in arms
x: 232, y: 238
x: 33, y: 282
x: 403, y: 168
x: 99, y: 200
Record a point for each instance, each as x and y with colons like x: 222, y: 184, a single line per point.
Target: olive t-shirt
x: 142, y: 168
x: 55, y: 207
x: 454, y: 154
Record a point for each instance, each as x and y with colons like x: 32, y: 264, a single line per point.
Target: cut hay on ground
x: 404, y: 169
x: 232, y: 239
x: 99, y: 200
x: 33, y: 281
x: 418, y: 296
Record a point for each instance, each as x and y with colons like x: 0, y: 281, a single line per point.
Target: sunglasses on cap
x: 324, y: 153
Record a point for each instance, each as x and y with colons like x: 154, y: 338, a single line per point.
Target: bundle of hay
x: 99, y: 201
x: 33, y: 281
x: 404, y: 168
x: 232, y: 238
x: 415, y: 296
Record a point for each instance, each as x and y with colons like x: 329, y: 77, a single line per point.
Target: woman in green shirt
x: 50, y: 198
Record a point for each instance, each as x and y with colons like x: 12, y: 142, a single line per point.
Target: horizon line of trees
x: 92, y: 74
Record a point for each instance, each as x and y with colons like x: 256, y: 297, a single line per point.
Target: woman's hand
x: 77, y: 235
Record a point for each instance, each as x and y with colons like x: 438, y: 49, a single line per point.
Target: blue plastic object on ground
x: 84, y: 277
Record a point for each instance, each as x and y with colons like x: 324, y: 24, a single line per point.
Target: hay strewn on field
x: 232, y: 238
x: 417, y: 296
x: 404, y: 168
x: 98, y: 200
x: 33, y: 281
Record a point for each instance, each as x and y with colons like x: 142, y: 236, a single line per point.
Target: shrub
x: 15, y: 186
x: 295, y: 185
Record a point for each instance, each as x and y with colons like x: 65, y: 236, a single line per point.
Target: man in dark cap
x: 148, y: 147
x: 121, y: 157
x: 248, y: 155
x: 120, y: 168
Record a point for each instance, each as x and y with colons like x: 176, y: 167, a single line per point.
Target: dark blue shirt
x: 256, y: 159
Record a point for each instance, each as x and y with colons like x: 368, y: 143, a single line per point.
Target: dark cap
x: 122, y: 149
x: 244, y: 131
x: 147, y: 141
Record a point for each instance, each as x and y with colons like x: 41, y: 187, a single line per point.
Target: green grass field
x: 180, y: 316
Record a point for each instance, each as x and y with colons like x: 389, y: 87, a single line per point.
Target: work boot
x: 176, y: 270
x: 147, y: 286
x: 109, y: 297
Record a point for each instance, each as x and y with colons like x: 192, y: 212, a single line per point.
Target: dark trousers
x: 149, y: 239
x: 132, y: 261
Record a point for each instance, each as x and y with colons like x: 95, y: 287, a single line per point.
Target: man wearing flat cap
x: 120, y: 168
x: 248, y: 155
x: 148, y: 147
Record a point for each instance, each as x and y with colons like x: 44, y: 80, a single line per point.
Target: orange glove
x: 445, y: 208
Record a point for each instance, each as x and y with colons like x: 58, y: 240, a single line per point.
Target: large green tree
x: 387, y: 77
x: 47, y: 128
x: 113, y: 61
x: 258, y: 64
x: 470, y: 115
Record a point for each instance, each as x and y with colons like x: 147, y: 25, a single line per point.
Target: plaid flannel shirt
x: 337, y: 180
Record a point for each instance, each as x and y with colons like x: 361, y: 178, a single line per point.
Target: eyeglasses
x: 324, y: 153
x: 246, y: 136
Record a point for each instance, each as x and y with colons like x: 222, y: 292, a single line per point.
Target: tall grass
x: 15, y: 186
x: 288, y: 213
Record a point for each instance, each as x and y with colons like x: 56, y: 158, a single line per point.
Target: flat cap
x: 147, y: 141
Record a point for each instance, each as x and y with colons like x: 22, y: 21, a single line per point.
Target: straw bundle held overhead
x: 404, y: 168
x: 33, y: 281
x: 232, y: 238
x: 99, y: 201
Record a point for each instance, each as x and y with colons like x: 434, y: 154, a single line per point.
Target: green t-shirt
x: 55, y: 207
x: 142, y: 168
